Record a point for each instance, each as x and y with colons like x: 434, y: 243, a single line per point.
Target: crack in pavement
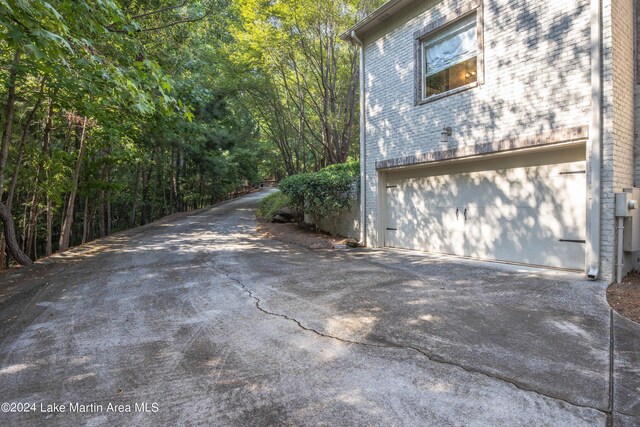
x: 610, y: 409
x: 430, y: 356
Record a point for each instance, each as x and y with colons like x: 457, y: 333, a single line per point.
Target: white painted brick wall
x: 634, y: 260
x: 618, y: 121
x: 537, y: 79
x: 637, y: 96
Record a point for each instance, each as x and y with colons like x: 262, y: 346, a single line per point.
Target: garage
x: 525, y: 208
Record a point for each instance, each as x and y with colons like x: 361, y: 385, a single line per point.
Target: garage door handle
x: 465, y: 214
x: 572, y: 241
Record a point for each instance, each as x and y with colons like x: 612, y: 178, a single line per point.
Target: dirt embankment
x: 625, y: 297
x: 306, y: 236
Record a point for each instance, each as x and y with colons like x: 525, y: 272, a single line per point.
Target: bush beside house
x: 328, y: 198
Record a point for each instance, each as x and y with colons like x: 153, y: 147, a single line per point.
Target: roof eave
x: 377, y: 17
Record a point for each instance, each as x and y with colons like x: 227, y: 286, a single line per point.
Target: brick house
x: 499, y: 129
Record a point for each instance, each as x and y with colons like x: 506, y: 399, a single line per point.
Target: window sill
x: 447, y: 93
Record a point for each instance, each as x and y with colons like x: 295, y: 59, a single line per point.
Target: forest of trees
x: 118, y: 112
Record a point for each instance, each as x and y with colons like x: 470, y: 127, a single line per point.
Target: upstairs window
x: 450, y: 58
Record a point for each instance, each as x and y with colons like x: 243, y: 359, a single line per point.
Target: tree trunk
x: 108, y: 214
x: 154, y: 191
x: 23, y: 141
x: 101, y: 206
x: 48, y: 249
x: 10, y: 237
x: 16, y: 168
x: 108, y: 204
x: 9, y: 110
x: 178, y: 189
x: 35, y: 244
x: 102, y: 221
x: 31, y: 225
x: 200, y: 192
x: 172, y: 189
x: 134, y: 202
x: 65, y: 232
x: 85, y: 226
x: 33, y: 214
x: 144, y: 214
x: 5, y: 214
x: 23, y: 224
x: 3, y: 248
x: 164, y: 194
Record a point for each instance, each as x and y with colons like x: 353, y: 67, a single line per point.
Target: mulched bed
x: 625, y: 297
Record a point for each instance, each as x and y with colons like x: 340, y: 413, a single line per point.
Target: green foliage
x: 296, y: 187
x: 165, y: 131
x: 325, y: 193
x: 299, y: 79
x: 185, y: 104
x: 350, y: 169
x: 272, y: 204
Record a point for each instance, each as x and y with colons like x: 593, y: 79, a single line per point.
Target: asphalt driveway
x: 197, y: 320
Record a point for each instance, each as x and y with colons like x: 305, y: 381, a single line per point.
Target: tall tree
x: 300, y: 79
x: 145, y: 76
x: 68, y: 218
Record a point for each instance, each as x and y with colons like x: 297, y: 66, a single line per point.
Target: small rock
x: 340, y: 246
x: 279, y: 219
x: 286, y: 213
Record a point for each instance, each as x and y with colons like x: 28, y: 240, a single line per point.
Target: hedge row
x: 323, y: 194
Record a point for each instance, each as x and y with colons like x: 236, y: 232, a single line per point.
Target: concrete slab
x: 215, y: 325
x: 545, y: 334
x: 626, y: 366
x: 620, y: 420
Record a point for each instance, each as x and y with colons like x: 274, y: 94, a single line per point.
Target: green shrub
x: 350, y: 168
x: 325, y: 193
x: 271, y: 204
x: 296, y: 187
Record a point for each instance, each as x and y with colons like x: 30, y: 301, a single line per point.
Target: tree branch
x: 164, y: 9
x: 170, y: 24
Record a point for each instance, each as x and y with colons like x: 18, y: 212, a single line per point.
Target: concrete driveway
x: 196, y: 320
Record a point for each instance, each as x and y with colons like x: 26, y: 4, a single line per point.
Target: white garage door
x: 520, y: 208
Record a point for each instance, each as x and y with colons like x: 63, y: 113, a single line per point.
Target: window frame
x: 432, y: 29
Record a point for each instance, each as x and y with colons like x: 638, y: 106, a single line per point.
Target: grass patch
x: 271, y: 204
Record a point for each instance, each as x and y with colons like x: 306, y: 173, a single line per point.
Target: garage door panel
x: 519, y: 214
x: 440, y: 231
x: 529, y: 235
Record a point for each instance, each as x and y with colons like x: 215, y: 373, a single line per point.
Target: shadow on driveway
x: 217, y: 325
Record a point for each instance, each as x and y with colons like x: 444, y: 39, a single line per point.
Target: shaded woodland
x: 117, y: 113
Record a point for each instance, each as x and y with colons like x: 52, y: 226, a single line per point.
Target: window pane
x: 450, y: 57
x: 451, y: 47
x: 453, y: 77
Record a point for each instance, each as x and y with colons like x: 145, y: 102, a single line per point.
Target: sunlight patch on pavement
x: 13, y: 369
x: 351, y: 327
x: 81, y: 377
x: 425, y: 318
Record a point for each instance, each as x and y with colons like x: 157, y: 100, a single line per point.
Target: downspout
x: 595, y: 138
x: 619, y: 252
x: 363, y: 180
